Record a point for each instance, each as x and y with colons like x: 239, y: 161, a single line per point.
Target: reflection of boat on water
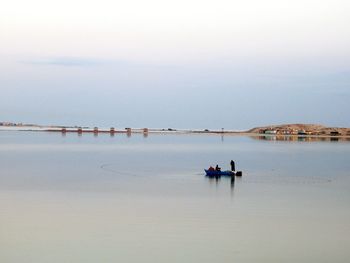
x: 216, y: 173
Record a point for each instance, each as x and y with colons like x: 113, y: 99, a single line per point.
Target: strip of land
x: 307, y: 130
x: 301, y: 129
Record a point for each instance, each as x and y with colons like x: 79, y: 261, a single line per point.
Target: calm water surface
x: 135, y: 199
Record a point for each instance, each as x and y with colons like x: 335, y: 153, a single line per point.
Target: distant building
x: 302, y: 132
x: 335, y: 133
x: 285, y: 132
x: 270, y: 132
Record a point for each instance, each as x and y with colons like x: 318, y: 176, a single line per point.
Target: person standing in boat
x: 233, y: 168
x: 217, y: 168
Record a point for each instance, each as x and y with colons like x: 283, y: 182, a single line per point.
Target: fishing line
x: 105, y: 168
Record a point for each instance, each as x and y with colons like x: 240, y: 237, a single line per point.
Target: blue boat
x: 215, y: 173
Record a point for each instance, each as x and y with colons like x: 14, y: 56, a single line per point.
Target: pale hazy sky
x: 181, y: 64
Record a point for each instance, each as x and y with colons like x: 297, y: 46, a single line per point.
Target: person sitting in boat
x: 211, y: 168
x: 217, y: 168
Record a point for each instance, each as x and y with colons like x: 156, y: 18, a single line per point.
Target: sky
x: 175, y: 64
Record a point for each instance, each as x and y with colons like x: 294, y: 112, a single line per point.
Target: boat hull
x: 219, y: 173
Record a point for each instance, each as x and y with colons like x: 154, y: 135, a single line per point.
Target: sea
x: 145, y: 198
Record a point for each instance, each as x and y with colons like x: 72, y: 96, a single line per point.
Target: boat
x: 216, y: 173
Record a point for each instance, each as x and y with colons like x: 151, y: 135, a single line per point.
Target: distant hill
x: 301, y: 129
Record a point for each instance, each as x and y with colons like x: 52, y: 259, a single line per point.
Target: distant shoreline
x: 285, y: 131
